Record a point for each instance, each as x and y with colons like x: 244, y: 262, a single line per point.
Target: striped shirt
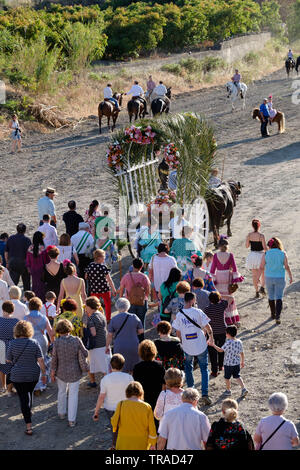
x: 24, y: 353
x: 216, y: 313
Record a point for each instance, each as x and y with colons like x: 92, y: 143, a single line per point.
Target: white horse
x: 233, y: 93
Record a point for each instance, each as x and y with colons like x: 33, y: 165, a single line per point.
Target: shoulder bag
x: 190, y: 319
x: 271, y: 435
x: 120, y: 329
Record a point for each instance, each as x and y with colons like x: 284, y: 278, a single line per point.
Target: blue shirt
x: 274, y: 263
x: 45, y: 206
x: 264, y: 109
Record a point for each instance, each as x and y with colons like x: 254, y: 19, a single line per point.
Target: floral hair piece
x: 271, y: 242
x: 66, y: 262
x: 50, y: 247
x: 194, y: 258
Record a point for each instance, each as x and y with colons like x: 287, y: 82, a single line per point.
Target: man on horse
x: 150, y: 87
x: 108, y: 96
x: 160, y: 91
x: 290, y: 54
x: 137, y: 94
x: 236, y: 80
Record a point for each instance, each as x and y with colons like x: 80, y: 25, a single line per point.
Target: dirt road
x: 269, y: 170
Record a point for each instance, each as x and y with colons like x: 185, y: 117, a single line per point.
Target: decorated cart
x: 162, y: 169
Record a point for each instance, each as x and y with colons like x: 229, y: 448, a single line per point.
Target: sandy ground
x: 269, y: 170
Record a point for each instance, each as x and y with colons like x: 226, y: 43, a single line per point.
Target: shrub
x: 251, y: 58
x: 175, y: 69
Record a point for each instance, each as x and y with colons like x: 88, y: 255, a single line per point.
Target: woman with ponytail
x: 274, y: 264
x: 36, y: 259
x: 90, y: 216
x: 257, y: 243
x: 228, y: 433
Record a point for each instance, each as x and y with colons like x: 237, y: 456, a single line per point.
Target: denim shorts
x: 232, y: 371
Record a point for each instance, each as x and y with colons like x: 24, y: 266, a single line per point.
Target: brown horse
x: 279, y: 118
x: 108, y: 109
x: 136, y: 108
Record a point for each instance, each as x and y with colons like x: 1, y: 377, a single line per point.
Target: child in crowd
x: 178, y: 302
x: 214, y: 181
x: 234, y: 359
x: 207, y: 260
x: 49, y: 307
x: 201, y: 293
x: 28, y: 294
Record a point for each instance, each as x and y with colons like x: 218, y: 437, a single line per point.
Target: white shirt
x: 107, y: 92
x: 65, y: 252
x: 4, y: 295
x: 193, y: 339
x: 161, y: 266
x: 185, y: 428
x: 114, y: 386
x: 6, y: 277
x: 160, y: 90
x: 21, y: 310
x: 136, y: 90
x: 50, y: 311
x: 177, y: 228
x: 50, y: 234
x: 87, y: 246
x: 167, y: 400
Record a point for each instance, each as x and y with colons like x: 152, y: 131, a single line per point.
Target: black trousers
x: 25, y: 391
x: 263, y: 127
x: 84, y: 261
x: 17, y: 269
x: 216, y: 358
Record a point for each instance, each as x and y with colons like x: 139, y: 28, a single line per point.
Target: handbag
x: 232, y: 288
x: 271, y: 435
x: 83, y: 362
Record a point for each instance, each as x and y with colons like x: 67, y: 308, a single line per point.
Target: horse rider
x: 160, y: 91
x: 236, y: 79
x: 137, y: 93
x: 265, y: 116
x: 290, y: 55
x: 108, y: 96
x: 150, y: 86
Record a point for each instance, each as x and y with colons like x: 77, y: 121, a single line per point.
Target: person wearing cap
x: 46, y: 206
x: 72, y: 219
x: 108, y: 96
x: 83, y: 242
x: 265, y: 116
x: 15, y: 256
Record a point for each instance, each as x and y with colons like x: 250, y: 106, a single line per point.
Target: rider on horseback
x: 160, y: 91
x: 290, y: 54
x: 137, y: 94
x: 236, y: 80
x: 108, y: 96
x: 150, y: 87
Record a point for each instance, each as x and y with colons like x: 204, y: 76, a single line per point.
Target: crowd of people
x: 62, y: 327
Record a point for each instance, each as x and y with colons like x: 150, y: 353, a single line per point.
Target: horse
x: 290, y: 64
x: 108, y: 109
x: 159, y: 106
x: 297, y: 64
x: 233, y: 93
x: 279, y: 118
x: 220, y: 203
x: 135, y: 108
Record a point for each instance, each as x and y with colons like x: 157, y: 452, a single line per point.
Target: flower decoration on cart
x: 171, y: 155
x: 139, y: 135
x: 114, y: 157
x: 163, y: 197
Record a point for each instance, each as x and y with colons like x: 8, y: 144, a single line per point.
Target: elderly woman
x: 275, y: 432
x: 7, y: 324
x: 97, y: 331
x: 40, y: 324
x: 66, y: 370
x: 171, y: 397
x: 275, y: 264
x: 169, y: 348
x: 228, y: 433
x: 26, y: 357
x: 134, y: 421
x: 21, y: 309
x: 149, y: 372
x: 124, y: 329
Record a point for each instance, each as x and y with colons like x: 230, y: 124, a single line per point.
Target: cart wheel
x: 200, y: 222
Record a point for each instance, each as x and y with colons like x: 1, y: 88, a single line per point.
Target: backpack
x: 137, y: 294
x: 167, y: 300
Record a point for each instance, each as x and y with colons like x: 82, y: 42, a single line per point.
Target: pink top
x: 217, y: 265
x: 140, y: 278
x: 282, y: 439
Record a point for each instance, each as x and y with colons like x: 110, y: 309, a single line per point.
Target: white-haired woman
x: 276, y: 432
x: 124, y: 329
x: 21, y: 309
